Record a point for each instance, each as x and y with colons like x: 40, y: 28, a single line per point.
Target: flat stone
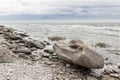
x: 37, y: 44
x: 116, y: 75
x: 22, y: 49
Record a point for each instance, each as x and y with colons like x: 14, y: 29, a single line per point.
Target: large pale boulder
x: 77, y: 52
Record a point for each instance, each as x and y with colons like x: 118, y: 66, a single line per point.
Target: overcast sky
x: 60, y: 9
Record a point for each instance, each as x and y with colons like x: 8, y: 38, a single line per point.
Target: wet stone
x: 13, y: 37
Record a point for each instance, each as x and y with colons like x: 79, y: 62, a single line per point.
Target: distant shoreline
x: 64, y: 21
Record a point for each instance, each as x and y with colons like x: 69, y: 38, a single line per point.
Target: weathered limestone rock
x: 23, y: 34
x: 6, y: 55
x: 12, y: 36
x: 36, y: 44
x: 77, y: 52
x: 22, y: 49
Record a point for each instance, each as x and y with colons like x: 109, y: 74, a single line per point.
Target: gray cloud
x: 94, y: 8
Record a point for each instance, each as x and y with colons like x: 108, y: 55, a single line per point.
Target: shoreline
x: 33, y: 51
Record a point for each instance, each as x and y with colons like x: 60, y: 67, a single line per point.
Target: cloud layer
x: 77, y: 8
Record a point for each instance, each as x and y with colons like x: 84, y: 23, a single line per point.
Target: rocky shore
x: 23, y: 58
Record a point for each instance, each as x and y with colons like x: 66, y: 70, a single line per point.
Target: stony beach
x: 25, y: 58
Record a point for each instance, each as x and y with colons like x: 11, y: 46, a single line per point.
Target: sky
x: 59, y: 10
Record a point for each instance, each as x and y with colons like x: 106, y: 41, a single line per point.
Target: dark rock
x: 106, y: 58
x: 2, y: 26
x: 56, y: 38
x: 12, y: 36
x: 119, y: 67
x: 117, y: 53
x: 1, y: 32
x: 101, y: 45
x: 49, y: 51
